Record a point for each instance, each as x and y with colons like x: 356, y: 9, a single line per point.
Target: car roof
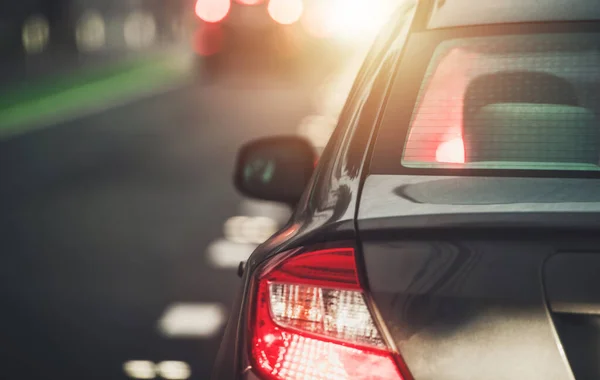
x: 452, y: 13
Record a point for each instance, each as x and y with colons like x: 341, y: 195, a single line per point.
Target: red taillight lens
x: 312, y: 322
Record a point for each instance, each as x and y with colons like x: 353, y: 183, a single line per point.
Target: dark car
x: 251, y: 32
x: 450, y: 228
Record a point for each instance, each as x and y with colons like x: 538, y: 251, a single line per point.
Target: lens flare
x: 452, y: 152
x: 357, y: 20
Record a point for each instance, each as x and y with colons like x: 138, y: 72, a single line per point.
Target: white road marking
x: 139, y: 369
x: 173, y: 370
x: 188, y: 320
x: 276, y: 211
x: 226, y: 254
x: 249, y: 229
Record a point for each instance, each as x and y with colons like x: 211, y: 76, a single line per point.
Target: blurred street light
x: 90, y: 31
x: 36, y: 34
x: 140, y: 29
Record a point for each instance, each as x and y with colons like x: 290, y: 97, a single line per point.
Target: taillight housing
x: 311, y: 320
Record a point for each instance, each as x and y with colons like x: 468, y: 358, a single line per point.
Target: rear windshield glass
x: 510, y: 102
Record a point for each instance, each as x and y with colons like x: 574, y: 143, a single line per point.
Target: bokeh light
x: 140, y: 30
x: 247, y: 229
x: 452, y: 151
x: 208, y: 39
x: 173, y: 370
x: 212, y: 10
x: 351, y: 21
x: 139, y: 369
x: 35, y: 34
x: 187, y: 320
x: 286, y: 12
x: 90, y: 31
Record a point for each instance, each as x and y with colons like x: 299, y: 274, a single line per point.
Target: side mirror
x: 275, y: 168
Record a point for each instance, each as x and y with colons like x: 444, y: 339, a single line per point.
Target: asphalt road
x: 105, y: 222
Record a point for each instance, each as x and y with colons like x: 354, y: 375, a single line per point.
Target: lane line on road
x: 192, y: 320
x: 94, y: 97
x: 225, y: 254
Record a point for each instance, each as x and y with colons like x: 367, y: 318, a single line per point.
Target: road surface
x: 105, y: 222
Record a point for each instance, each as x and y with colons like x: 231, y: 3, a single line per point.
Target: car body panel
x: 455, y: 266
x: 327, y: 209
x: 465, y: 307
x: 447, y: 201
x: 455, y: 259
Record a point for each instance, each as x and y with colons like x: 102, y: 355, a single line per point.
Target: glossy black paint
x: 572, y: 283
x: 326, y: 212
x: 468, y: 303
x: 459, y: 293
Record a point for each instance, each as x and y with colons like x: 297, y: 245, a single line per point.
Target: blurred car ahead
x: 245, y: 30
x: 449, y: 230
x: 282, y: 31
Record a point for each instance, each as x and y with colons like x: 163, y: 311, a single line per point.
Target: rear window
x: 509, y: 102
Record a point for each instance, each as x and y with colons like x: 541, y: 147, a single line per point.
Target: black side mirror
x: 275, y: 168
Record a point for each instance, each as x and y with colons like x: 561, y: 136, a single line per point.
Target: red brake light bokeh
x: 208, y: 39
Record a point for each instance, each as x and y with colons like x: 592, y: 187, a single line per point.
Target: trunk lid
x: 485, y: 278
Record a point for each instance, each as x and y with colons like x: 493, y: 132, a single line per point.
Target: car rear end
x: 478, y: 218
x: 251, y: 32
x: 284, y: 32
x: 473, y: 251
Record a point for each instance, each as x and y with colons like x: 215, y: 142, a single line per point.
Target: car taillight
x: 311, y: 321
